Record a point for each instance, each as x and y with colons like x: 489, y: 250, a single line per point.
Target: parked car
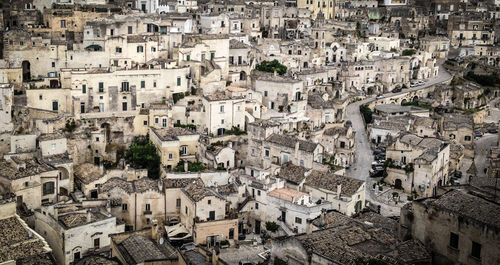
x: 493, y: 130
x: 379, y: 96
x: 376, y: 173
x: 421, y: 83
x: 478, y: 134
x: 414, y: 84
x: 396, y: 90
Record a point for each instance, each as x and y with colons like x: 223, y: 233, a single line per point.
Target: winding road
x: 364, y: 158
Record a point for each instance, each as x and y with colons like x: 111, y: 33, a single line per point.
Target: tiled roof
x: 140, y: 185
x: 227, y: 189
x: 292, y: 173
x: 171, y: 134
x: 286, y: 194
x: 75, y: 219
x: 290, y: 142
x: 96, y: 260
x: 138, y: 249
x: 469, y: 206
x: 17, y: 242
x: 87, y: 172
x: 323, y: 180
x: 317, y: 102
x: 181, y: 182
x: 197, y: 192
x: 27, y: 167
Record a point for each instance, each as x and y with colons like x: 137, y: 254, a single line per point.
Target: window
x: 212, y: 55
x: 101, y: 87
x: 256, y: 206
x: 84, y: 89
x: 55, y: 106
x: 145, y: 123
x: 125, y: 86
x: 153, y: 49
x: 342, y: 144
x: 82, y: 107
x: 140, y: 49
x: 184, y: 151
x: 186, y: 210
x: 258, y: 192
x: 118, y: 50
x: 178, y: 203
x: 96, y: 243
x: 154, y: 84
x: 148, y: 207
x: 53, y: 64
x: 298, y: 220
x: 267, y: 152
x: 222, y: 108
x: 178, y: 81
x: 40, y: 97
x: 222, y: 121
x: 467, y: 138
x: 53, y: 146
x: 124, y: 106
x: 143, y: 84
x: 209, y: 202
x: 63, y: 23
x: 129, y: 29
x: 265, y: 93
x: 231, y: 233
x: 476, y: 250
x: 188, y: 58
x: 211, y: 215
x: 453, y: 240
x: 170, y: 156
x: 111, y: 32
x: 48, y: 188
x: 164, y: 122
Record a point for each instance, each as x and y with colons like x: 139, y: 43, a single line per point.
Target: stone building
x: 175, y: 145
x: 458, y: 226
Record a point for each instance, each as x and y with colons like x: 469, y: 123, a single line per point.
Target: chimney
x: 89, y: 216
x: 339, y: 190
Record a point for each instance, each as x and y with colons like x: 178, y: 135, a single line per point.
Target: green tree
x: 142, y: 154
x: 271, y: 66
x: 409, y: 52
x: 272, y: 226
x: 367, y: 113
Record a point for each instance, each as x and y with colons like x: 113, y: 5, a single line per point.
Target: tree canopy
x: 272, y: 66
x: 142, y: 154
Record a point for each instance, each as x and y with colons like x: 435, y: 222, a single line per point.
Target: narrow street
x: 364, y: 157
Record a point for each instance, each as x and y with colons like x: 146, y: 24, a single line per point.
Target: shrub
x: 272, y: 226
x: 177, y: 96
x: 484, y: 80
x: 278, y: 261
x: 70, y: 126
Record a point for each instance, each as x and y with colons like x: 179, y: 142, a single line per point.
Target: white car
x: 414, y: 84
x: 380, y: 96
x: 421, y: 83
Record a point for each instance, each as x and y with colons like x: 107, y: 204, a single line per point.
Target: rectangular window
x: 298, y: 220
x: 453, y: 240
x: 184, y: 151
x: 125, y: 86
x: 267, y: 152
x: 212, y: 55
x: 118, y: 50
x: 209, y: 202
x: 256, y: 206
x: 186, y: 210
x: 48, y: 188
x: 154, y: 84
x: 164, y: 122
x: 55, y: 106
x: 178, y: 81
x: 258, y: 193
x: 129, y: 29
x: 53, y: 64
x: 111, y: 32
x: 101, y: 87
x: 178, y: 203
x: 124, y: 207
x: 124, y: 106
x: 476, y: 250
x: 222, y: 108
x: 84, y: 89
x: 140, y: 49
x: 265, y: 93
x: 63, y: 23
x: 143, y: 84
x: 188, y: 58
x: 82, y: 107
x: 170, y: 156
x: 231, y: 233
x: 97, y: 243
x: 156, y: 120
x: 211, y: 215
x: 148, y: 207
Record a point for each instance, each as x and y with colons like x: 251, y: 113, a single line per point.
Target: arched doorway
x: 398, y: 184
x: 415, y: 98
x: 243, y: 75
x: 403, y: 101
x: 26, y: 65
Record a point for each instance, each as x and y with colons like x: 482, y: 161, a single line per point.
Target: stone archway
x: 415, y: 99
x: 26, y: 65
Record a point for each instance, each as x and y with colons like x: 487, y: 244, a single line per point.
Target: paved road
x: 482, y: 146
x: 364, y: 158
